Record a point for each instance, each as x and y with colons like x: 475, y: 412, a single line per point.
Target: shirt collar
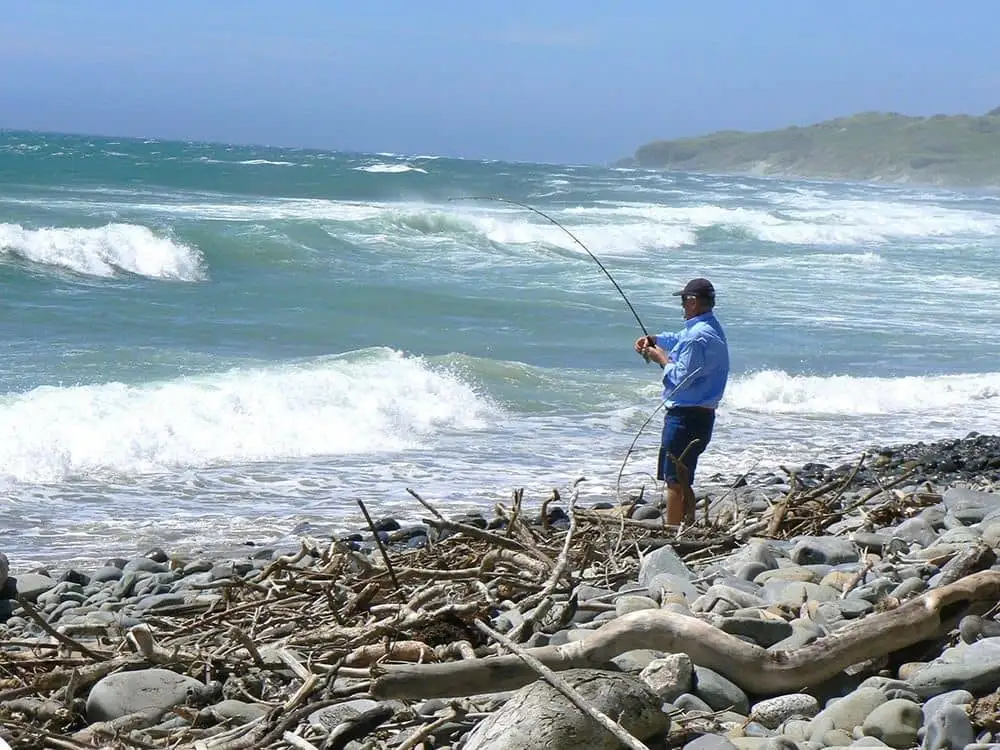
x: 698, y: 318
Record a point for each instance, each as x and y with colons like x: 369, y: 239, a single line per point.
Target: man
x: 695, y: 363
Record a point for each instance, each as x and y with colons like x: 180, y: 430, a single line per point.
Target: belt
x: 710, y: 409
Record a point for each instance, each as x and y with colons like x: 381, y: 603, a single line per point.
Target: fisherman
x: 695, y: 363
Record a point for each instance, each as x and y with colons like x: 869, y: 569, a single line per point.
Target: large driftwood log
x: 754, y: 669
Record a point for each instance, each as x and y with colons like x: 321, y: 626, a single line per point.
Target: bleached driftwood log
x: 754, y: 669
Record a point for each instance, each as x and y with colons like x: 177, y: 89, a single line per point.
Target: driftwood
x: 756, y: 670
x: 315, y: 627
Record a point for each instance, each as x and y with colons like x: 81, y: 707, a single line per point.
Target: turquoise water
x: 210, y: 344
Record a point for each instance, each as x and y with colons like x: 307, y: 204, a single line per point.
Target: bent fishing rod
x: 620, y: 291
x: 575, y: 239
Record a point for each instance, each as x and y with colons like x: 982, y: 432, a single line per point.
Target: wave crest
x: 366, y: 402
x: 104, y: 251
x: 776, y: 391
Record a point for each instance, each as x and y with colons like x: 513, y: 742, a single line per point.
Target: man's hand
x: 644, y: 342
x: 656, y: 354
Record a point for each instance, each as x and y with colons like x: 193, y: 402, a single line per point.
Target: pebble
x: 775, y: 711
x: 895, y: 722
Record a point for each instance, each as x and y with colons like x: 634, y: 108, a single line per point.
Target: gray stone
x: 935, y: 515
x: 585, y: 593
x: 740, y: 584
x: 846, y: 713
x: 796, y: 729
x: 756, y: 729
x: 763, y: 632
x: 332, y: 716
x: 637, y: 660
x: 626, y: 604
x: 646, y: 513
x: 125, y: 585
x: 239, y: 710
x: 836, y: 738
x: 725, y: 599
x: 539, y: 716
x: 764, y: 743
x: 789, y: 574
x: 874, y: 542
x: 145, y: 565
x: 662, y: 560
x: 824, y: 550
x: 127, y: 692
x: 916, y: 530
x: 671, y: 583
x: 32, y: 585
x: 689, y: 702
x: 852, y: 608
x: 4, y: 569
x: 719, y: 692
x: 750, y: 570
x: 775, y: 711
x: 670, y: 676
x: 990, y: 533
x: 953, y: 697
x: 974, y: 667
x: 197, y: 566
x: 892, y: 688
x: 909, y: 587
x: 798, y: 592
x: 963, y: 535
x: 107, y: 573
x: 159, y: 601
x: 948, y: 728
x: 710, y: 742
x: 970, y: 506
x: 895, y: 722
x: 803, y: 632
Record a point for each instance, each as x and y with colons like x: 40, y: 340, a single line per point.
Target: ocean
x: 208, y: 345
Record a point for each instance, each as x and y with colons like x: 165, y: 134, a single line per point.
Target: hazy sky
x: 547, y: 80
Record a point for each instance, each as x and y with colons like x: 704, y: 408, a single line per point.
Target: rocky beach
x: 819, y: 606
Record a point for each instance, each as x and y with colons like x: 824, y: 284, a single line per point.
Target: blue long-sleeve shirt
x: 700, y: 348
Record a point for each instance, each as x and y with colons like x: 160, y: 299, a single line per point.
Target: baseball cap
x: 697, y: 288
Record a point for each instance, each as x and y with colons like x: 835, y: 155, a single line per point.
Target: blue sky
x: 549, y: 80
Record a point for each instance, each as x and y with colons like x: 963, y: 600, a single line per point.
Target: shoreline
x: 342, y: 640
x: 929, y: 454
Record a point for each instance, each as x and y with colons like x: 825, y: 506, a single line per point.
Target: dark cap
x: 697, y: 288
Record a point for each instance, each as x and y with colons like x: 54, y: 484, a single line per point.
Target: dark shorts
x: 681, y: 426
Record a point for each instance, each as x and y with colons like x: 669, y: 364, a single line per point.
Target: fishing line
x: 573, y: 237
x: 620, y: 291
x: 684, y: 380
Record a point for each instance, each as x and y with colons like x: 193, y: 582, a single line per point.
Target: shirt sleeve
x: 690, y: 359
x: 666, y: 340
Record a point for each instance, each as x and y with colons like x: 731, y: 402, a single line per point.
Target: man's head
x: 697, y: 297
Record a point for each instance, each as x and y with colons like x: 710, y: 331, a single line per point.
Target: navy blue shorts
x: 681, y: 426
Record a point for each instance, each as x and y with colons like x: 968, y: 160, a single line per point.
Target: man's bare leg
x: 680, y: 504
x: 675, y: 504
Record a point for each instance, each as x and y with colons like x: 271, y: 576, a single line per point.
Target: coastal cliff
x: 953, y: 150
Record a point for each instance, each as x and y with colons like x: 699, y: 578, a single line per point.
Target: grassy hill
x: 959, y: 150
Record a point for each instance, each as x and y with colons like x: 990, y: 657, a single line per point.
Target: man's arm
x: 666, y: 340
x: 690, y: 358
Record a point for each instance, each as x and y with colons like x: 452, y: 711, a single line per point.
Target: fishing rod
x: 620, y: 291
x: 574, y: 238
